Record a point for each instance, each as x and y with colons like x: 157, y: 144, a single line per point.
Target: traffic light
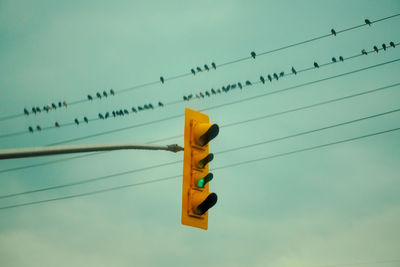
x: 196, y: 197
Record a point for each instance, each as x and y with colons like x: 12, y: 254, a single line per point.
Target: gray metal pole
x: 54, y: 150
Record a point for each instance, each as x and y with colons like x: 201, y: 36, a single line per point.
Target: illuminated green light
x: 200, y: 183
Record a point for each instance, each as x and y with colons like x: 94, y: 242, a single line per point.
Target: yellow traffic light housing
x: 196, y: 197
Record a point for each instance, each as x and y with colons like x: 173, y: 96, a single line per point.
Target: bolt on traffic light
x: 196, y: 197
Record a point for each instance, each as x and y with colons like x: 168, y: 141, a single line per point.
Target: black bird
x: 364, y: 52
x: 333, y: 59
x: 282, y: 74
x: 201, y: 95
x: 392, y: 44
x: 65, y: 104
x: 140, y: 108
x: 37, y: 109
x: 223, y: 89
x: 316, y: 65
x: 213, y: 91
x: 107, y: 115
x: 162, y: 79
x: 248, y: 82
x: 228, y: 87
x: 126, y: 111
x: 253, y: 54
x: 218, y: 91
x: 368, y: 22
x: 333, y: 32
x: 193, y: 71
x: 86, y: 119
x: 240, y: 85
x: 26, y: 112
x: 207, y: 94
x: 269, y: 77
x: 76, y: 121
x: 98, y: 95
x: 262, y: 79
x: 146, y: 106
x: 105, y: 94
x: 34, y: 110
x: 198, y: 69
x: 294, y: 71
x: 30, y: 129
x: 213, y: 65
x: 276, y: 76
x: 121, y: 112
x: 89, y: 97
x: 59, y: 104
x: 114, y: 114
x: 133, y: 109
x: 112, y: 92
x: 185, y: 98
x: 376, y: 49
x: 206, y: 67
x: 160, y: 104
x: 384, y: 47
x: 47, y: 108
x: 57, y: 124
x: 101, y: 116
x: 38, y: 128
x: 233, y: 86
x: 53, y: 106
x: 151, y: 106
x: 117, y: 113
x: 190, y: 96
x: 341, y: 58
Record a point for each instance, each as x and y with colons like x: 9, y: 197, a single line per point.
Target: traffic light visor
x: 204, y: 133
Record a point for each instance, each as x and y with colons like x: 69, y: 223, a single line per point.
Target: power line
x: 223, y: 126
x: 220, y: 65
x: 218, y: 168
x: 220, y: 152
x: 358, y: 263
x: 244, y: 85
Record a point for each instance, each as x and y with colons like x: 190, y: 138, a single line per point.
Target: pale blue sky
x: 335, y: 205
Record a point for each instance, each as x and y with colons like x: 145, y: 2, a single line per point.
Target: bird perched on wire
x: 262, y: 79
x: 57, y: 124
x: 34, y: 110
x: 115, y: 114
x: 201, y: 95
x: 190, y: 96
x: 207, y: 93
x: 218, y: 91
x: 213, y: 91
x: 107, y: 115
x: 26, y: 112
x: 101, y: 116
x: 294, y: 71
x: 151, y: 106
x: 240, y: 85
x: 65, y: 104
x: 199, y: 69
x: 185, y: 98
x: 333, y: 32
x: 392, y: 44
x: 269, y: 77
x: 38, y: 128
x: 316, y: 65
x: 86, y: 119
x: 53, y: 106
x: 76, y: 121
x: 253, y: 54
x: 248, y: 83
x: 364, y: 52
x: 334, y: 59
x: 376, y: 49
x: 134, y: 109
x: 112, y: 92
x: 38, y: 109
x: 233, y: 86
x: 140, y: 108
x: 368, y: 22
x: 193, y: 71
x: 160, y: 104
x: 59, y: 104
x: 126, y: 111
x: 105, y: 94
x: 282, y: 74
x: 276, y: 76
x: 146, y: 106
x: 341, y: 58
x: 384, y: 47
x: 30, y: 129
x: 98, y: 95
x: 213, y: 65
x: 162, y: 79
x: 206, y: 67
x: 89, y: 97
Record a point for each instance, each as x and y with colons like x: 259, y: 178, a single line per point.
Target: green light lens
x: 200, y: 183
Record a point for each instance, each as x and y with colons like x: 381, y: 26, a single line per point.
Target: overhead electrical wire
x: 218, y: 152
x: 180, y: 101
x: 217, y: 168
x: 222, y: 126
x: 223, y: 64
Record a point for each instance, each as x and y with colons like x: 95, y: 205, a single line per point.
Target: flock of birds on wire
x: 123, y: 112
